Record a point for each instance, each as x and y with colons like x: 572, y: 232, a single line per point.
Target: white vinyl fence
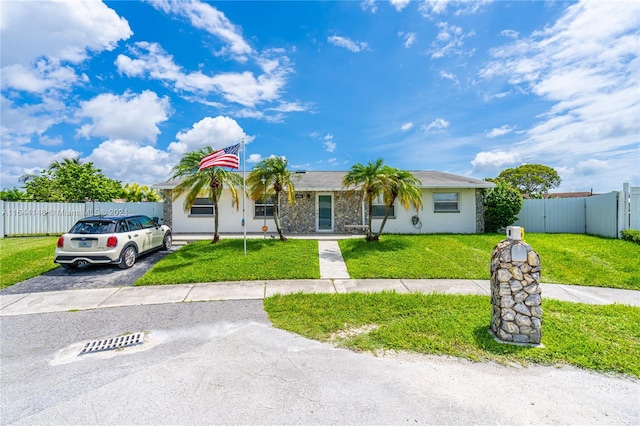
x: 604, y: 215
x: 27, y: 218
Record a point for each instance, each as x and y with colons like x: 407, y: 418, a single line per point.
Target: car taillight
x: 112, y: 242
x: 60, y: 242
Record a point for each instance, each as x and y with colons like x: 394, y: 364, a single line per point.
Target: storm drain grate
x: 113, y: 343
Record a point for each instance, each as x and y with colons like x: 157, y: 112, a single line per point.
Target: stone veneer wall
x: 167, y: 207
x: 515, y: 294
x: 300, y: 218
x: 480, y: 211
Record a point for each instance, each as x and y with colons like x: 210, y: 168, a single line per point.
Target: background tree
x: 207, y: 182
x: 13, y: 194
x: 367, y: 181
x: 502, y: 205
x: 71, y: 181
x: 532, y: 179
x: 137, y: 193
x: 277, y: 179
x: 403, y: 186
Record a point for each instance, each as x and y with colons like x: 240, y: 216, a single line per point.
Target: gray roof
x: 332, y: 181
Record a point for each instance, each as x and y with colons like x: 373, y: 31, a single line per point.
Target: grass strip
x: 596, y: 337
x: 201, y: 261
x: 24, y: 258
x: 566, y: 258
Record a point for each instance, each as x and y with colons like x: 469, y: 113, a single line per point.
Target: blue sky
x: 469, y: 88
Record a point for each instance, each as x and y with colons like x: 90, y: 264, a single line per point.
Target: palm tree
x: 209, y: 181
x: 402, y: 185
x: 369, y: 181
x: 270, y: 177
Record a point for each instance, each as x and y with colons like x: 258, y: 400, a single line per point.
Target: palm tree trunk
x: 276, y: 219
x: 370, y: 236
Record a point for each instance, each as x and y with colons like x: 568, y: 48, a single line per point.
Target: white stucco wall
x: 463, y: 222
x: 230, y: 220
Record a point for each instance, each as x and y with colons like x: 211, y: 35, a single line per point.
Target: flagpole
x: 244, y: 196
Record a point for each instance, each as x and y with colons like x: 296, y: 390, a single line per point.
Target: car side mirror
x: 156, y: 220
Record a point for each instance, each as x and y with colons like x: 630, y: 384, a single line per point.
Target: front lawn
x: 566, y: 258
x: 602, y: 338
x: 25, y: 257
x: 201, y: 262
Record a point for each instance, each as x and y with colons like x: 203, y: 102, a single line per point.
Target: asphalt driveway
x: 101, y: 276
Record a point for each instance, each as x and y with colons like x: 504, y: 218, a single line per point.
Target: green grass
x: 595, y: 337
x: 202, y: 261
x: 566, y: 258
x: 24, y: 258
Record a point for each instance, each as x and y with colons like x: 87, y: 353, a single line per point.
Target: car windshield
x: 93, y: 227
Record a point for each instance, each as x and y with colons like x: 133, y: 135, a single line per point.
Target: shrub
x: 502, y: 205
x: 632, y: 235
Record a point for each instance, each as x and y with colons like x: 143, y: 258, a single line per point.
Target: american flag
x: 227, y: 157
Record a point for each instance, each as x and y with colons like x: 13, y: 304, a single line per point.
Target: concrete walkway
x: 334, y: 279
x: 60, y: 301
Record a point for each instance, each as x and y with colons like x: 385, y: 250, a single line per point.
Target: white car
x: 111, y: 240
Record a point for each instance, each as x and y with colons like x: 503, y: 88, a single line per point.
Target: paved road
x: 222, y: 363
x: 87, y: 277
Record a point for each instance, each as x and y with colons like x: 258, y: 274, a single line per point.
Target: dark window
x: 202, y: 207
x: 446, y: 202
x: 134, y: 224
x: 260, y: 206
x: 379, y: 211
x: 146, y: 222
x: 93, y: 227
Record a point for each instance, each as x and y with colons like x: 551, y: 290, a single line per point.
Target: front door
x: 325, y: 212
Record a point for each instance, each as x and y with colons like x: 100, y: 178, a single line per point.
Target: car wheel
x: 128, y: 258
x: 166, y: 243
x: 69, y: 265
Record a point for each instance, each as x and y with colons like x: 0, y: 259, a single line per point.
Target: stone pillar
x: 515, y: 291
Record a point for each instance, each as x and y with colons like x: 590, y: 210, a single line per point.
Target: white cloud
x: 436, y: 125
x: 218, y: 132
x: 122, y: 159
x: 330, y: 146
x: 510, y: 33
x: 130, y: 116
x: 585, y: 66
x: 243, y: 88
x: 49, y: 37
x: 409, y: 39
x: 449, y: 41
x: 429, y: 8
x: 208, y: 18
x: 500, y: 131
x: 494, y: 161
x: 347, y: 43
x: 254, y: 158
x: 406, y: 126
x: 369, y: 5
x: 590, y: 167
x: 449, y: 76
x: 64, y: 30
x: 400, y: 4
x: 20, y: 123
x: 17, y: 161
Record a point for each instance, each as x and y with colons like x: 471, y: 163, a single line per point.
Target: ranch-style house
x: 452, y: 204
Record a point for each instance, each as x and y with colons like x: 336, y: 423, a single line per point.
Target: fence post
x: 4, y: 215
x: 623, y: 209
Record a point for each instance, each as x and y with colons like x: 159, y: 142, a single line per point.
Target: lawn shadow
x: 362, y: 248
x: 485, y: 341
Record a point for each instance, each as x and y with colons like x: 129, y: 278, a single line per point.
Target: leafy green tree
x: 277, y: 178
x: 532, y: 179
x: 136, y: 193
x: 502, y: 205
x: 71, y: 181
x: 13, y: 194
x: 403, y: 186
x: 209, y: 182
x: 369, y: 181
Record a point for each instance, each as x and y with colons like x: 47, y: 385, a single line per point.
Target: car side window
x: 134, y: 225
x: 146, y: 222
x: 123, y: 226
